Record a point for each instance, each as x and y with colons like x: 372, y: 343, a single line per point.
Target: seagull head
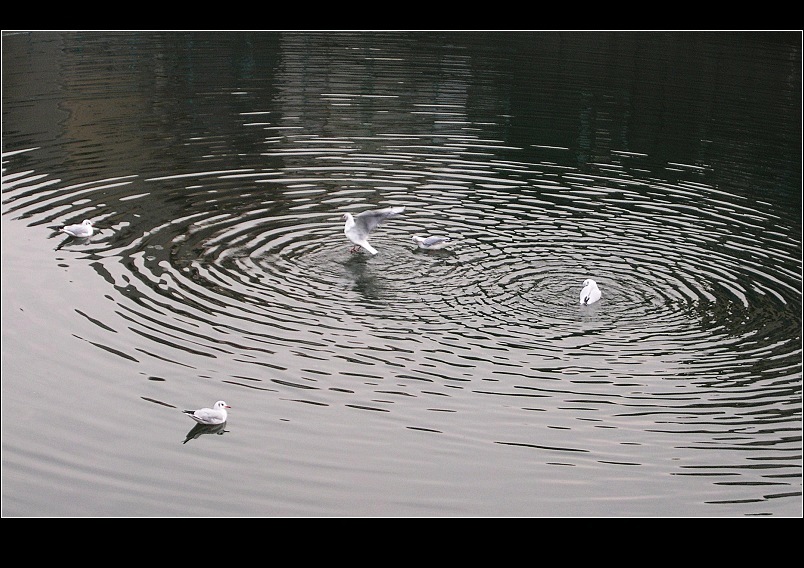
x: 89, y: 223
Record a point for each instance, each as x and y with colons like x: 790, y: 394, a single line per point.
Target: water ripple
x: 237, y: 270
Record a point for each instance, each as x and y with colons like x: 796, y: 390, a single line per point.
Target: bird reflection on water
x: 200, y: 429
x: 364, y: 280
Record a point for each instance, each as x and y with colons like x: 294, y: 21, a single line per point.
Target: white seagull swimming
x: 215, y: 415
x: 590, y: 293
x: 358, y: 227
x: 85, y: 229
x: 431, y: 243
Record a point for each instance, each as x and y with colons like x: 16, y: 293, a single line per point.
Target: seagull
x: 590, y: 293
x: 214, y: 415
x: 358, y: 227
x: 431, y: 243
x: 85, y: 229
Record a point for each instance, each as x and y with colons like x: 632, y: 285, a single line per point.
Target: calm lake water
x: 462, y: 382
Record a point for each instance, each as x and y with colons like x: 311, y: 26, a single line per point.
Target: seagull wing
x: 367, y: 221
x: 435, y: 240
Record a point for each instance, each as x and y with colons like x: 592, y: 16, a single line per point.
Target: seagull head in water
x: 434, y: 242
x: 590, y: 292
x: 215, y: 415
x: 85, y: 229
x: 358, y: 227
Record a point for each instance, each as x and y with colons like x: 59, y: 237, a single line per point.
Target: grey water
x: 464, y: 382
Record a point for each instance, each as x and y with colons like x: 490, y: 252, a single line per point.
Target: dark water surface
x: 461, y: 382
